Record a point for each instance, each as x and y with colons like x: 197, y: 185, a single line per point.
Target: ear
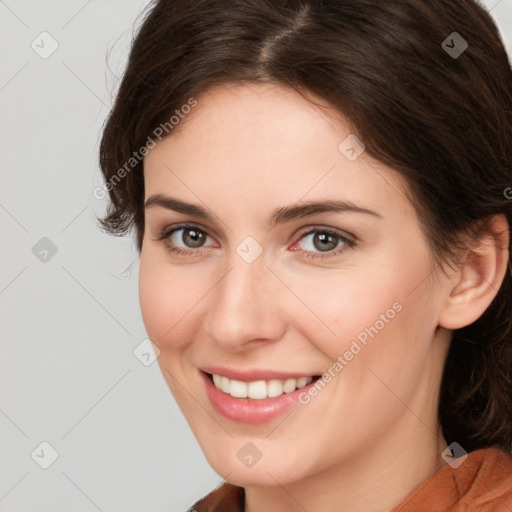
x: 479, y: 277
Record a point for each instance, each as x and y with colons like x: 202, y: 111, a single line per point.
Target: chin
x: 239, y: 469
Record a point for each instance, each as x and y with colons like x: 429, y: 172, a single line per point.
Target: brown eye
x: 185, y: 240
x: 192, y: 238
x: 325, y: 241
x: 322, y: 241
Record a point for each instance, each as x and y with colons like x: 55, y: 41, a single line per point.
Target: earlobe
x: 479, y: 277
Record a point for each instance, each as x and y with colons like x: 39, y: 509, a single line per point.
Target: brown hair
x: 442, y: 120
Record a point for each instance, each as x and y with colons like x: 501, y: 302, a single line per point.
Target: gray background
x: 70, y: 321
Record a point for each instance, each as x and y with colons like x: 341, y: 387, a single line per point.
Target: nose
x: 246, y: 307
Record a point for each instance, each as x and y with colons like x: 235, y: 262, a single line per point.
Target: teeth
x: 217, y: 379
x: 302, y: 382
x: 225, y: 385
x: 259, y: 389
x: 238, y: 389
x: 274, y: 388
x: 289, y: 385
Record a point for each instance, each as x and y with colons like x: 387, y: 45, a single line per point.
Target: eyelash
x: 348, y: 243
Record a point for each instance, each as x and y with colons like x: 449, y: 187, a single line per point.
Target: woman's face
x: 265, y: 292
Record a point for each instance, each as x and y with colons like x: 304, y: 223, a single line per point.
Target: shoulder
x: 481, y: 483
x: 225, y: 498
x: 492, y: 485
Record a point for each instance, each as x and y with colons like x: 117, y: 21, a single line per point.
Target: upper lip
x: 253, y: 375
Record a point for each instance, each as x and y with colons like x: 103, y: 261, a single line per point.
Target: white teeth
x: 217, y: 379
x: 259, y: 389
x: 289, y: 385
x: 224, y: 384
x: 238, y: 389
x: 274, y: 388
x: 302, y: 382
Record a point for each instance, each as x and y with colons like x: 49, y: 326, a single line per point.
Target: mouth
x: 259, y: 389
x: 255, y: 401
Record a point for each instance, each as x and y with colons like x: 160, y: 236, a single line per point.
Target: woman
x: 319, y: 195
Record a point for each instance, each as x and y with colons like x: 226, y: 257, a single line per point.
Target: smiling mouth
x: 259, y: 389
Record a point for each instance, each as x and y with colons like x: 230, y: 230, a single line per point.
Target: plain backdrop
x: 85, y: 425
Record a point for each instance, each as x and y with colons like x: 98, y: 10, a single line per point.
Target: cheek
x: 373, y: 307
x: 167, y: 299
x: 354, y: 305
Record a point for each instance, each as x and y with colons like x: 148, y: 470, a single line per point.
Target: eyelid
x: 348, y: 241
x: 307, y: 230
x: 166, y: 232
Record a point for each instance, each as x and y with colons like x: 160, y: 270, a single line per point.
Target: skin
x: 372, y: 435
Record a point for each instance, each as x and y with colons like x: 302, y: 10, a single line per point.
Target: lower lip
x: 247, y: 410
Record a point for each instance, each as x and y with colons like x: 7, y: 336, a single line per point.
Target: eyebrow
x: 279, y: 215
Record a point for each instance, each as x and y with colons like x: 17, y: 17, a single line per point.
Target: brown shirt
x: 482, y: 483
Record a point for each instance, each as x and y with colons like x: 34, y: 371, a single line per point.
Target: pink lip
x: 252, y: 375
x: 247, y: 410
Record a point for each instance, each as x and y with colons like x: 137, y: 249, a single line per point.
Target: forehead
x: 267, y: 141
x: 264, y: 111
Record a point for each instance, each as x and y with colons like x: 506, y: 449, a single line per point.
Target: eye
x: 324, y: 243
x: 321, y: 242
x: 184, y: 239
